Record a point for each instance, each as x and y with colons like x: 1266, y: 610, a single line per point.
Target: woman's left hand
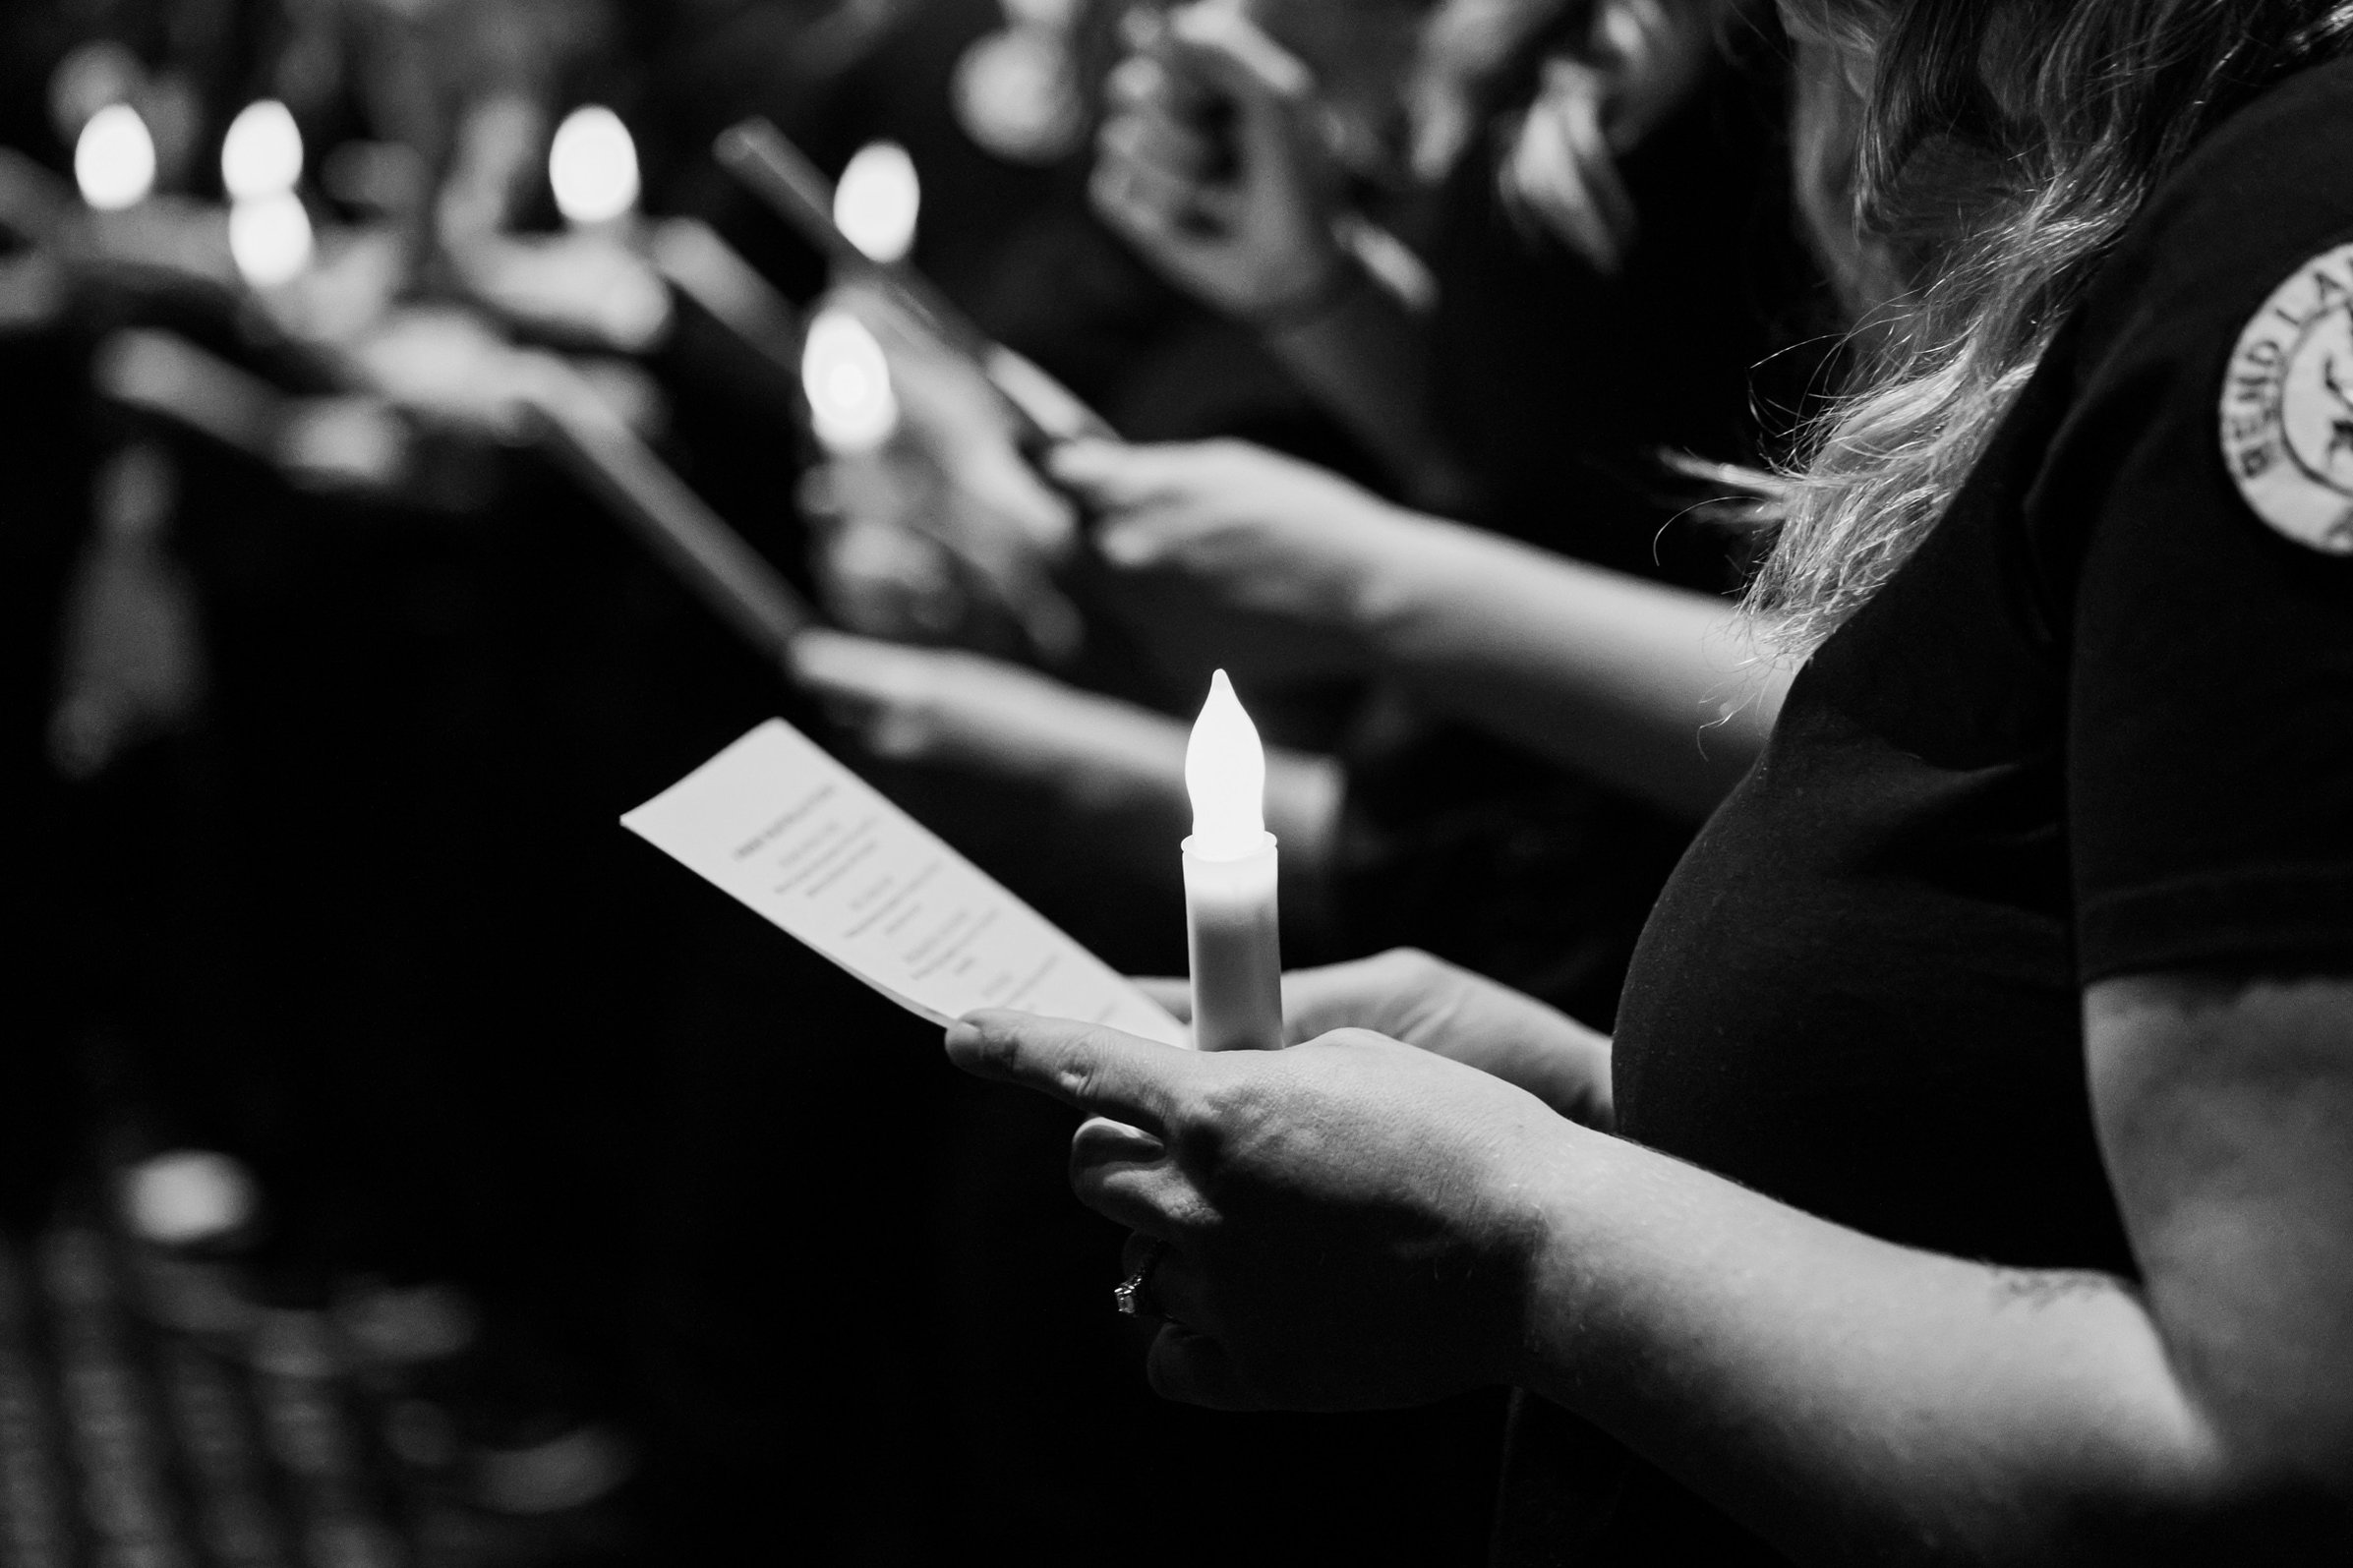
x: 1440, y: 1007
x: 1351, y: 1222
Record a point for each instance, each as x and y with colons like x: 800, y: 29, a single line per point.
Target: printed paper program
x: 812, y: 847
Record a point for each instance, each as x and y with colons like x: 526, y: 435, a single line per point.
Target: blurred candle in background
x: 876, y: 200
x: 269, y: 239
x: 592, y: 166
x: 848, y: 383
x: 261, y: 164
x: 262, y: 155
x: 1230, y: 931
x: 114, y: 159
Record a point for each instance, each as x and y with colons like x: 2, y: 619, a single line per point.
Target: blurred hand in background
x: 944, y: 533
x: 1249, y: 528
x: 951, y: 708
x: 1211, y: 164
x: 1101, y: 758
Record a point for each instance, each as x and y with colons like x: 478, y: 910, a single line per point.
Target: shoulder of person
x: 2234, y: 288
x: 2264, y: 191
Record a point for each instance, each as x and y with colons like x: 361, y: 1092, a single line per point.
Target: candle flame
x: 592, y: 166
x: 262, y: 155
x: 876, y: 200
x: 114, y: 159
x: 848, y: 383
x: 1225, y: 774
x: 269, y: 239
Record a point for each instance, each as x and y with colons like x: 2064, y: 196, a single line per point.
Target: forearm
x: 1855, y: 1401
x: 1636, y: 685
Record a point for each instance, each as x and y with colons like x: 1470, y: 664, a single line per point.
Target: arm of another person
x: 1103, y: 758
x: 1210, y: 165
x: 1639, y: 685
x: 1356, y: 1223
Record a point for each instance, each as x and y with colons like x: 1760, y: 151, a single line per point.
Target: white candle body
x: 1230, y: 937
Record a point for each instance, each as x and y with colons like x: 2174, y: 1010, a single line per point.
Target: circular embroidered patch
x: 2287, y: 406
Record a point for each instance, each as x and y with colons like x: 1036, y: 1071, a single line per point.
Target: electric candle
x: 876, y: 200
x: 848, y: 383
x: 1229, y: 882
x: 592, y: 166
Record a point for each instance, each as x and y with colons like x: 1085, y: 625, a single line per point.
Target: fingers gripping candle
x: 1229, y: 882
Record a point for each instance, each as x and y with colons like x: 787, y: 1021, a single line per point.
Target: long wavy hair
x: 1995, y: 151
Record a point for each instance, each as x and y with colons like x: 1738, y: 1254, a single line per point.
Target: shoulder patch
x: 2287, y: 406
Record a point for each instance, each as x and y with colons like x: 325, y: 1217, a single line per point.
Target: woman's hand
x: 1256, y: 531
x: 1210, y: 165
x: 1447, y: 1011
x: 1349, y: 1224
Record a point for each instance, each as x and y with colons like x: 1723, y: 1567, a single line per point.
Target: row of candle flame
x: 593, y: 176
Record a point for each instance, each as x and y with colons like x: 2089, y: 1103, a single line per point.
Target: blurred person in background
x: 335, y: 692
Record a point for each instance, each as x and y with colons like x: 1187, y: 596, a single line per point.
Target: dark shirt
x: 2101, y: 723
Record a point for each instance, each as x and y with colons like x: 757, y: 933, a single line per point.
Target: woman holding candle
x: 1982, y: 1191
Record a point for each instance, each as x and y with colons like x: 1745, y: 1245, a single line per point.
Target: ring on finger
x: 1133, y: 1296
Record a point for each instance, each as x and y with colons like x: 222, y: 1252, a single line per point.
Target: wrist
x: 1332, y: 283
x: 1565, y: 1203
x: 1540, y: 1201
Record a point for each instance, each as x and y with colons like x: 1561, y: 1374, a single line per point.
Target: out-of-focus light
x: 188, y: 1195
x: 849, y: 385
x: 262, y: 155
x: 876, y: 200
x: 592, y: 166
x: 270, y: 238
x: 114, y: 160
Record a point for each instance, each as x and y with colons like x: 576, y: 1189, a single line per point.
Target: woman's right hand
x: 1210, y: 165
x: 1252, y: 530
x: 1351, y: 1224
x: 1445, y: 1010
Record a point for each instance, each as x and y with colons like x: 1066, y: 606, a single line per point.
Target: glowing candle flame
x: 188, y: 1195
x: 269, y: 239
x: 262, y: 155
x: 1225, y: 774
x: 592, y: 166
x: 876, y: 200
x: 114, y: 162
x: 848, y: 383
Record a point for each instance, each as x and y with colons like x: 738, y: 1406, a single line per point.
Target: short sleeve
x: 2204, y: 480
